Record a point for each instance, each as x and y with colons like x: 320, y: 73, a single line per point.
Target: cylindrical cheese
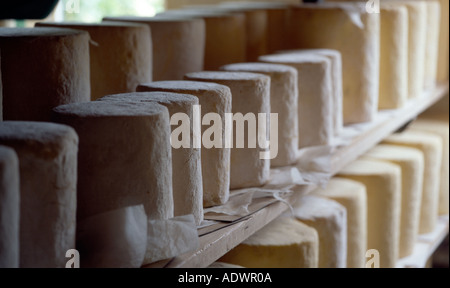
x: 417, y: 42
x: 431, y: 147
x: 124, y: 157
x: 329, y: 218
x: 9, y: 208
x: 284, y: 243
x: 338, y: 97
x: 48, y: 190
x: 353, y: 196
x: 186, y: 164
x: 213, y: 98
x: 354, y: 32
x: 283, y: 101
x: 120, y: 55
x: 394, y: 56
x: 411, y: 161
x: 220, y: 28
x: 43, y: 68
x: 443, y: 58
x: 432, y: 43
x: 440, y: 128
x: 315, y: 110
x: 178, y: 45
x: 383, y: 184
x: 250, y: 97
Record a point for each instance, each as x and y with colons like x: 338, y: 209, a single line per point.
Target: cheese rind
x: 9, y: 208
x: 283, y: 101
x: 120, y: 55
x: 41, y: 69
x: 178, y: 45
x: 354, y: 32
x: 329, y: 218
x: 124, y: 157
x: 394, y: 56
x: 440, y: 128
x: 431, y: 147
x: 411, y: 162
x: 186, y: 162
x: 284, y: 243
x: 338, y: 98
x: 250, y: 94
x: 383, y: 184
x: 48, y: 189
x: 315, y: 116
x: 213, y: 98
x: 432, y: 47
x: 353, y: 196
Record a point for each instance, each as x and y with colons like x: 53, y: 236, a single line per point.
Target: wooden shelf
x: 216, y: 244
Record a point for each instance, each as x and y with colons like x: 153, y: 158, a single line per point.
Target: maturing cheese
x: 431, y: 147
x: 41, y: 69
x: 9, y: 208
x: 432, y: 43
x: 315, y: 116
x: 213, y: 98
x: 440, y: 128
x: 354, y: 32
x: 353, y: 196
x: 283, y: 101
x: 220, y: 28
x: 411, y: 161
x: 251, y: 94
x: 186, y: 160
x: 383, y: 184
x: 284, y: 243
x: 48, y: 190
x: 178, y: 45
x: 120, y: 55
x: 338, y: 97
x: 394, y: 56
x: 124, y: 157
x: 329, y: 218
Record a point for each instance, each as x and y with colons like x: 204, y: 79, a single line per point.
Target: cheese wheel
x: 329, y: 218
x: 353, y: 196
x: 432, y: 46
x: 394, y: 56
x: 417, y: 43
x: 431, y: 147
x: 284, y: 243
x: 277, y: 21
x: 283, y: 101
x: 256, y: 28
x: 440, y: 128
x: 443, y: 56
x: 48, y: 189
x: 178, y: 45
x: 336, y: 70
x: 186, y: 162
x: 124, y: 157
x: 213, y: 98
x: 251, y: 96
x: 43, y: 68
x: 383, y: 184
x: 354, y: 32
x: 9, y: 208
x: 120, y: 55
x: 220, y: 28
x: 315, y: 116
x: 411, y: 161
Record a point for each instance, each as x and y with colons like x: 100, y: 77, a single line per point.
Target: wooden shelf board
x: 216, y: 244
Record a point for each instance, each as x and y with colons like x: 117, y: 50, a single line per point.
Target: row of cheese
x: 373, y: 213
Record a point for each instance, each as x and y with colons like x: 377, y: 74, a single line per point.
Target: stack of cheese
x: 178, y: 45
x: 120, y: 55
